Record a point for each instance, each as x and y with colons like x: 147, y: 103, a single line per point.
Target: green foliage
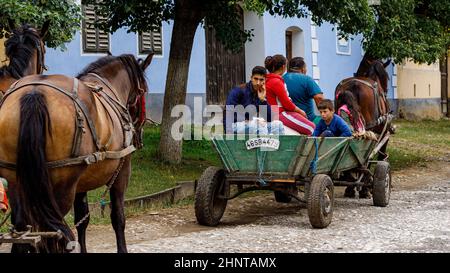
x: 352, y: 16
x: 410, y: 29
x: 401, y: 29
x: 64, y: 16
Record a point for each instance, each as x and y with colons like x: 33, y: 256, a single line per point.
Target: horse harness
x: 377, y: 94
x: 83, y: 114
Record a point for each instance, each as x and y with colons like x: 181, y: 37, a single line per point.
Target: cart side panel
x: 356, y: 154
x: 237, y: 158
x: 328, y: 151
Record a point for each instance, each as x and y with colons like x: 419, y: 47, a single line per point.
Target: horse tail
x: 35, y: 195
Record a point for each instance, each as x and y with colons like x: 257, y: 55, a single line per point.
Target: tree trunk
x: 187, y: 17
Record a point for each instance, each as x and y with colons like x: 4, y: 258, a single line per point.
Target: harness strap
x: 118, y: 108
x: 81, y: 160
x: 122, y: 114
x: 75, y: 98
x: 373, y: 86
x: 108, y: 143
x: 92, y: 158
x: 79, y: 124
x: 108, y: 84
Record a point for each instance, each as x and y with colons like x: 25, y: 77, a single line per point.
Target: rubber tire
x: 382, y: 179
x: 282, y: 197
x: 318, y: 217
x: 209, y: 209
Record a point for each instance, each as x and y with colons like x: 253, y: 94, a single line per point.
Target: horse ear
x: 386, y: 64
x: 11, y: 25
x: 109, y: 53
x: 44, y: 29
x: 147, y: 61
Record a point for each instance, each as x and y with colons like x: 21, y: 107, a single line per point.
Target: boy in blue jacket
x: 331, y: 125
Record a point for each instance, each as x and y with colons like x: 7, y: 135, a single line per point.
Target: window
x: 94, y: 40
x: 343, y: 45
x: 151, y: 41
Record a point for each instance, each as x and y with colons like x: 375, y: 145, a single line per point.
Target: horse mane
x: 19, y: 50
x: 127, y: 60
x: 377, y: 71
x: 373, y: 69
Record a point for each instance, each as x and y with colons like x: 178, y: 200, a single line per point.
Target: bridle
x: 135, y: 107
x: 41, y: 67
x: 138, y: 109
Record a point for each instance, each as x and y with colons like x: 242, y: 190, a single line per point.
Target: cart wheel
x: 320, y: 201
x: 209, y: 207
x: 382, y: 184
x: 282, y: 197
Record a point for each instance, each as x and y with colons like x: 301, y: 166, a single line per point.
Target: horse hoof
x: 364, y: 195
x: 392, y: 129
x: 350, y: 193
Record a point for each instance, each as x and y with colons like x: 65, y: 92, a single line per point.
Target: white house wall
x: 255, y: 49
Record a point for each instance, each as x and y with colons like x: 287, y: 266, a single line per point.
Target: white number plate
x: 262, y: 142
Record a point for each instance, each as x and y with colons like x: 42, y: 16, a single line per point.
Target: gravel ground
x: 416, y: 220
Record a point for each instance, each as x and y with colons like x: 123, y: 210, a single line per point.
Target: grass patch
x: 151, y: 175
x: 418, y: 142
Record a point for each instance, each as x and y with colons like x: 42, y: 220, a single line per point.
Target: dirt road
x: 417, y: 220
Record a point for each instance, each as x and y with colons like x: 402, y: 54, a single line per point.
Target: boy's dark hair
x: 259, y: 70
x: 326, y: 104
x: 296, y: 64
x: 273, y: 63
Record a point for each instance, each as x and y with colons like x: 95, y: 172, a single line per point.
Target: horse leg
x: 350, y: 192
x: 18, y: 220
x: 117, y: 195
x: 18, y: 225
x: 81, y: 210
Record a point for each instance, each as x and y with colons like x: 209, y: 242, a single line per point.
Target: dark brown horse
x: 25, y: 52
x: 369, y: 86
x: 67, y: 136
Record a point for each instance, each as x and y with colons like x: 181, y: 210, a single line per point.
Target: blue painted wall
x: 333, y: 66
x: 72, y: 61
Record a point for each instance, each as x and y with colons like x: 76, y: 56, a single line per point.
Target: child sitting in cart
x: 350, y: 112
x: 331, y: 125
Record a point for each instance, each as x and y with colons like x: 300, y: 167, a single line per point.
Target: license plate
x: 262, y: 142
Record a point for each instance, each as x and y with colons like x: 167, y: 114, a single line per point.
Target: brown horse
x: 67, y: 136
x: 25, y: 51
x: 369, y: 86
